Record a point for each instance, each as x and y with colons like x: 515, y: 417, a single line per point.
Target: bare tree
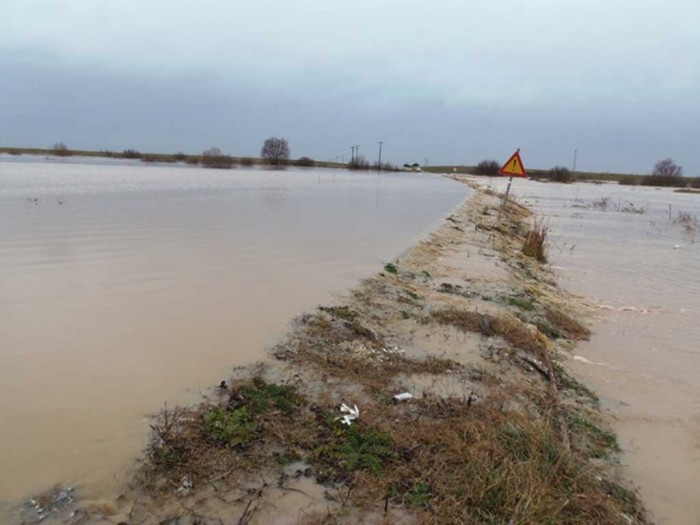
x: 214, y: 158
x: 275, y: 151
x: 61, y: 150
x: 667, y: 168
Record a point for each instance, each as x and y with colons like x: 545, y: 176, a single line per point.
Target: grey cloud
x: 453, y: 82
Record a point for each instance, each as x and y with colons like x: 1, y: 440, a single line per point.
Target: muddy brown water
x: 123, y: 287
x: 643, y: 272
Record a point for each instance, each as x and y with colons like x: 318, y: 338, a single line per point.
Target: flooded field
x: 633, y: 251
x: 123, y: 286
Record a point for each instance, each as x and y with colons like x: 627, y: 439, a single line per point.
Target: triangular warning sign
x: 513, y: 167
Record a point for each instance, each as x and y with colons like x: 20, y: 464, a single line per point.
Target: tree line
x: 275, y: 152
x: 664, y: 173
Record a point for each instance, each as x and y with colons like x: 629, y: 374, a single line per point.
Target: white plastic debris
x: 404, y: 396
x: 351, y: 414
x: 185, y: 484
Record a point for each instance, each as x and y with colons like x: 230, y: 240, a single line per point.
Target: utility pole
x: 575, y: 155
x: 379, y: 162
x: 352, y: 153
x: 357, y: 152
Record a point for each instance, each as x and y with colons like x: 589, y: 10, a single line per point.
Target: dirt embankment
x: 494, y: 429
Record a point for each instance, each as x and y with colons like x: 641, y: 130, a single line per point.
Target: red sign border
x: 515, y: 155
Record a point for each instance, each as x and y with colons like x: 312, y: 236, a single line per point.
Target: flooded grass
x: 688, y: 221
x: 566, y: 326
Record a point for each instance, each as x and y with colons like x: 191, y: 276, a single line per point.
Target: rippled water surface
x: 122, y: 286
x: 630, y: 250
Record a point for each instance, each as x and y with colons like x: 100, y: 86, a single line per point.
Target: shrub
x: 664, y: 180
x: 246, y: 161
x: 630, y: 181
x: 359, y: 163
x: 305, y: 162
x: 214, y: 158
x: 561, y: 174
x: 384, y: 166
x: 487, y: 167
x: 61, y: 150
x: 131, y: 154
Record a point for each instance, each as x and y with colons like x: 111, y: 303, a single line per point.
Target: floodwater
x: 127, y: 286
x: 643, y: 272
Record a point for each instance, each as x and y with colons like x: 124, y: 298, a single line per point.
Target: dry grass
x: 516, y: 211
x: 567, y: 326
x: 336, y: 343
x: 535, y: 243
x: 480, y: 464
x: 505, y: 326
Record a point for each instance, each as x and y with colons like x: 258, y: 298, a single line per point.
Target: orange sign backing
x: 513, y: 167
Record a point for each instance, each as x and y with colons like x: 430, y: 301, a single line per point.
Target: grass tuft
x: 567, y: 326
x: 391, y: 268
x: 535, y: 244
x: 505, y: 326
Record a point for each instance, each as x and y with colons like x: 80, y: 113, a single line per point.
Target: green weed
x: 420, y: 495
x: 231, y: 428
x: 260, y: 397
x: 354, y: 449
x: 391, y: 268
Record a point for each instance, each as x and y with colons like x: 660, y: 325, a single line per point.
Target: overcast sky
x: 451, y: 81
